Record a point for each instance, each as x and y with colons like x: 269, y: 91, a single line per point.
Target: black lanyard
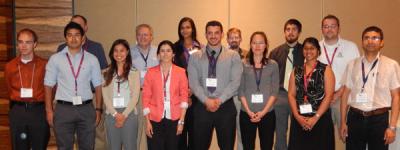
x: 365, y: 78
x: 258, y: 75
x: 145, y: 58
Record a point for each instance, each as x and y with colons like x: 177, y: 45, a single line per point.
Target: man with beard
x: 234, y: 39
x: 288, y: 55
x: 337, y: 53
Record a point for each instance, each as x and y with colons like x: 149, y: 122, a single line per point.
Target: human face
x: 186, y: 30
x: 330, y: 29
x: 166, y: 54
x: 372, y: 42
x: 25, y: 44
x: 74, y: 39
x: 310, y: 52
x: 234, y: 40
x: 120, y: 53
x: 214, y: 35
x: 144, y: 37
x: 81, y: 22
x: 291, y: 33
x: 258, y: 44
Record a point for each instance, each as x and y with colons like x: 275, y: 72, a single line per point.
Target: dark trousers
x: 363, y: 131
x: 266, y: 128
x: 28, y: 127
x: 70, y: 120
x: 186, y: 139
x: 164, y: 135
x: 224, y: 122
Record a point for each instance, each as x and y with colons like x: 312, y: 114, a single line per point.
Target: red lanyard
x: 306, y: 79
x: 165, y: 85
x: 73, y: 70
x: 330, y: 61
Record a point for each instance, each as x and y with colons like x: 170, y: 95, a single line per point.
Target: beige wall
x: 109, y: 20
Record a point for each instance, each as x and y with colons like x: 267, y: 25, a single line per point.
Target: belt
x: 26, y: 104
x: 70, y: 103
x: 378, y: 111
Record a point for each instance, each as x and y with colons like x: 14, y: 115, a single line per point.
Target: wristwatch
x: 180, y: 122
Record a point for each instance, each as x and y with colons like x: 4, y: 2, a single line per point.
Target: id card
x: 211, y: 82
x: 257, y: 98
x: 77, y: 100
x: 118, y: 102
x: 306, y: 109
x: 362, y: 97
x: 143, y: 73
x: 26, y: 92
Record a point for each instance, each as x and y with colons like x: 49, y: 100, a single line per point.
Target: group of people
x: 175, y: 95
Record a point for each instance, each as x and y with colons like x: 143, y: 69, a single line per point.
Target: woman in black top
x: 185, y: 46
x: 311, y: 89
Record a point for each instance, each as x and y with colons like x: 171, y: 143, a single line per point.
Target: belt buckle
x: 365, y: 114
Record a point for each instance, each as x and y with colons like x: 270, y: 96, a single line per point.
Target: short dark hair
x: 314, y: 42
x: 330, y: 17
x: 214, y: 23
x: 372, y: 29
x: 29, y: 31
x: 73, y: 25
x: 79, y: 16
x: 166, y: 42
x: 293, y: 22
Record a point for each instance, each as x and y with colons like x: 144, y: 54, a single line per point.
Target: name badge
x: 257, y: 98
x: 26, y: 92
x: 118, y: 102
x: 193, y: 51
x: 362, y: 97
x: 143, y: 73
x: 167, y: 106
x: 211, y: 82
x: 77, y: 100
x: 306, y: 109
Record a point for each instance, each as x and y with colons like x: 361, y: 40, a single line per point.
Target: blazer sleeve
x: 147, y: 92
x: 183, y: 89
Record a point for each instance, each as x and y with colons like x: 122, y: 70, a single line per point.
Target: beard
x: 292, y: 40
x: 234, y: 45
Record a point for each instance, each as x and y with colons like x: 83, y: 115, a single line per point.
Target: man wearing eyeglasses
x: 370, y: 89
x: 24, y: 77
x: 337, y: 53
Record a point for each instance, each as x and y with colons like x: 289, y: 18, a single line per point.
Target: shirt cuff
x: 184, y: 105
x: 146, y: 111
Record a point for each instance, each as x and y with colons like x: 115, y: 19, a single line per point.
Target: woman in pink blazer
x: 164, y: 95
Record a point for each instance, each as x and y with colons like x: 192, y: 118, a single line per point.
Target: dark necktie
x: 212, y: 67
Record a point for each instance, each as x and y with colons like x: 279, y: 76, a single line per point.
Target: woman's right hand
x: 302, y: 121
x: 149, y: 129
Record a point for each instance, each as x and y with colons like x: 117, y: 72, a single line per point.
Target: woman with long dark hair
x: 185, y: 46
x: 164, y: 95
x: 257, y: 92
x: 121, y: 90
x: 310, y: 92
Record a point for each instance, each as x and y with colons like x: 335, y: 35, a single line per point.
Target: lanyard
x: 145, y: 58
x: 365, y: 78
x: 306, y: 79
x: 20, y: 76
x: 73, y: 71
x: 213, y: 64
x: 330, y: 61
x: 165, y: 85
x: 119, y: 85
x: 258, y: 74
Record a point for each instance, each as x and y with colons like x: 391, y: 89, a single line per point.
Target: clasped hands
x: 212, y: 104
x: 307, y: 123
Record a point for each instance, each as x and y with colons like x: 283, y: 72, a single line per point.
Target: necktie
x: 288, y: 69
x: 212, y: 67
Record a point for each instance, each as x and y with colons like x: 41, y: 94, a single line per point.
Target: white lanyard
x: 20, y: 76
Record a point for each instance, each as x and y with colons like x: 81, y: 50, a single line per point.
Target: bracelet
x: 392, y: 128
x: 180, y: 122
x: 99, y: 109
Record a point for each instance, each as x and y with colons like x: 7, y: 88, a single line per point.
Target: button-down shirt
x: 142, y: 65
x: 346, y: 51
x: 383, y: 78
x: 58, y: 71
x: 229, y: 71
x: 167, y: 100
x: 14, y: 78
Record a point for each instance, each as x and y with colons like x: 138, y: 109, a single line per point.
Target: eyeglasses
x: 373, y: 38
x: 329, y: 26
x: 25, y: 42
